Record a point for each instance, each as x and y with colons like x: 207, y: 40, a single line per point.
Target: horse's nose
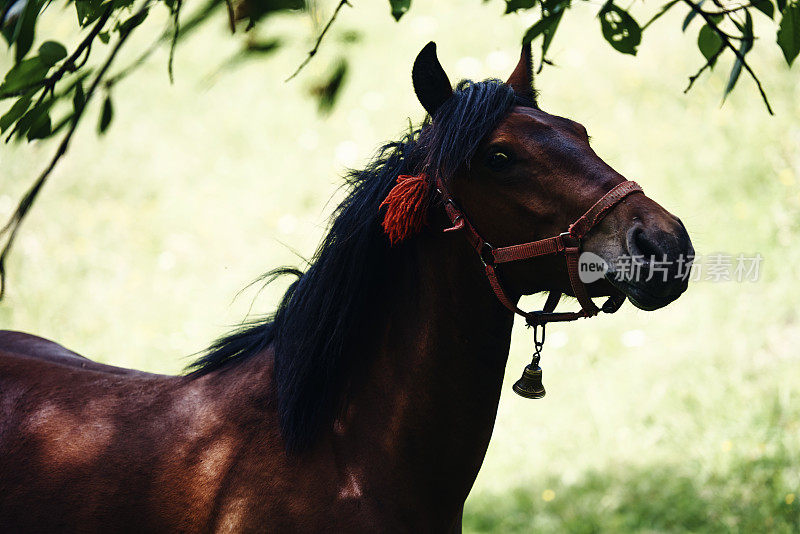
x: 657, y: 244
x: 643, y: 245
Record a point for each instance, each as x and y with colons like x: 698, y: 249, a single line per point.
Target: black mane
x: 319, y: 324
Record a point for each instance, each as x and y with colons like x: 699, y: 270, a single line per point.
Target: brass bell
x: 530, y: 384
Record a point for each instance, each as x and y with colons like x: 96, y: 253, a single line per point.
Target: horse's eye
x: 498, y: 160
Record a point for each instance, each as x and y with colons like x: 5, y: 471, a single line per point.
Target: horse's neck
x: 418, y: 423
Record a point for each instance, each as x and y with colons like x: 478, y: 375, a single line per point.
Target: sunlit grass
x: 683, y: 419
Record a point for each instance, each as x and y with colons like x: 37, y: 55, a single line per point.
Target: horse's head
x: 534, y: 174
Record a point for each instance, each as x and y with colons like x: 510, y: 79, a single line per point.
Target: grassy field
x: 684, y: 419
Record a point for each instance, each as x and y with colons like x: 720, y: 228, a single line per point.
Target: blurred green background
x: 684, y: 419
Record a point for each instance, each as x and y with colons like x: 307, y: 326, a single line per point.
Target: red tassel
x: 405, y: 207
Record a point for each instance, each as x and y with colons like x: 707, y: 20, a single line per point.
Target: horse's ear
x: 521, y: 80
x: 430, y: 81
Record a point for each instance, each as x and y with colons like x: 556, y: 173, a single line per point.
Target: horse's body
x: 114, y: 448
x: 367, y: 403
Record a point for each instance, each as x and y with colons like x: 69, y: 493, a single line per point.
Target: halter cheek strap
x: 566, y: 243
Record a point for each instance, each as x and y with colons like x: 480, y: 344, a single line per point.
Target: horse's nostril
x: 639, y: 244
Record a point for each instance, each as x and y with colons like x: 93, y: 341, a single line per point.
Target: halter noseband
x: 566, y: 243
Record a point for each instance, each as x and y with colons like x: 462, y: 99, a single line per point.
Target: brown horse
x: 366, y: 402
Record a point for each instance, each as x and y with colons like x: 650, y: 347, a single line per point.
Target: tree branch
x: 708, y: 64
x: 187, y: 27
x: 174, y: 42
x: 314, y: 50
x: 49, y: 83
x: 724, y: 10
x: 231, y: 16
x: 12, y: 226
x: 69, y: 64
x: 727, y: 43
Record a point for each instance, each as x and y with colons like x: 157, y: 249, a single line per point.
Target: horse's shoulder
x: 30, y: 346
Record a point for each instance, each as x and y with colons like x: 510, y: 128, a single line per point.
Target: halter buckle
x: 567, y: 240
x: 486, y: 254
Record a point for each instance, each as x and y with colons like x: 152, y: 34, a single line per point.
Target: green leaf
x: 88, y: 10
x: 133, y: 21
x: 27, y: 73
x: 765, y: 6
x: 254, y: 11
x: 709, y: 43
x: 620, y: 29
x: 541, y: 26
x: 262, y: 47
x: 8, y: 24
x: 78, y: 98
x: 744, y: 48
x: 735, y: 72
x: 789, y: 32
x: 552, y: 7
x: 52, y: 52
x: 31, y: 118
x: 514, y: 5
x: 399, y: 8
x: 104, y: 37
x: 552, y: 11
x: 12, y: 12
x: 545, y: 26
x: 13, y: 114
x: 106, y: 115
x: 25, y: 30
x: 781, y: 5
x: 40, y: 128
x: 328, y: 91
x: 24, y: 123
x: 550, y: 32
x: 691, y: 15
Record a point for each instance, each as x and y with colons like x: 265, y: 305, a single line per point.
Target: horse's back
x: 120, y: 451
x: 21, y: 345
x: 39, y: 377
x: 79, y: 439
x: 44, y: 385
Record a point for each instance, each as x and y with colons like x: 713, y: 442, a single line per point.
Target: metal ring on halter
x: 538, y: 343
x: 486, y: 254
x: 536, y: 318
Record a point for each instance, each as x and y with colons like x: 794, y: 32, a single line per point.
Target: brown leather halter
x: 566, y: 243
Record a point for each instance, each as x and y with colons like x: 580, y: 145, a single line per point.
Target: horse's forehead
x: 522, y: 120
